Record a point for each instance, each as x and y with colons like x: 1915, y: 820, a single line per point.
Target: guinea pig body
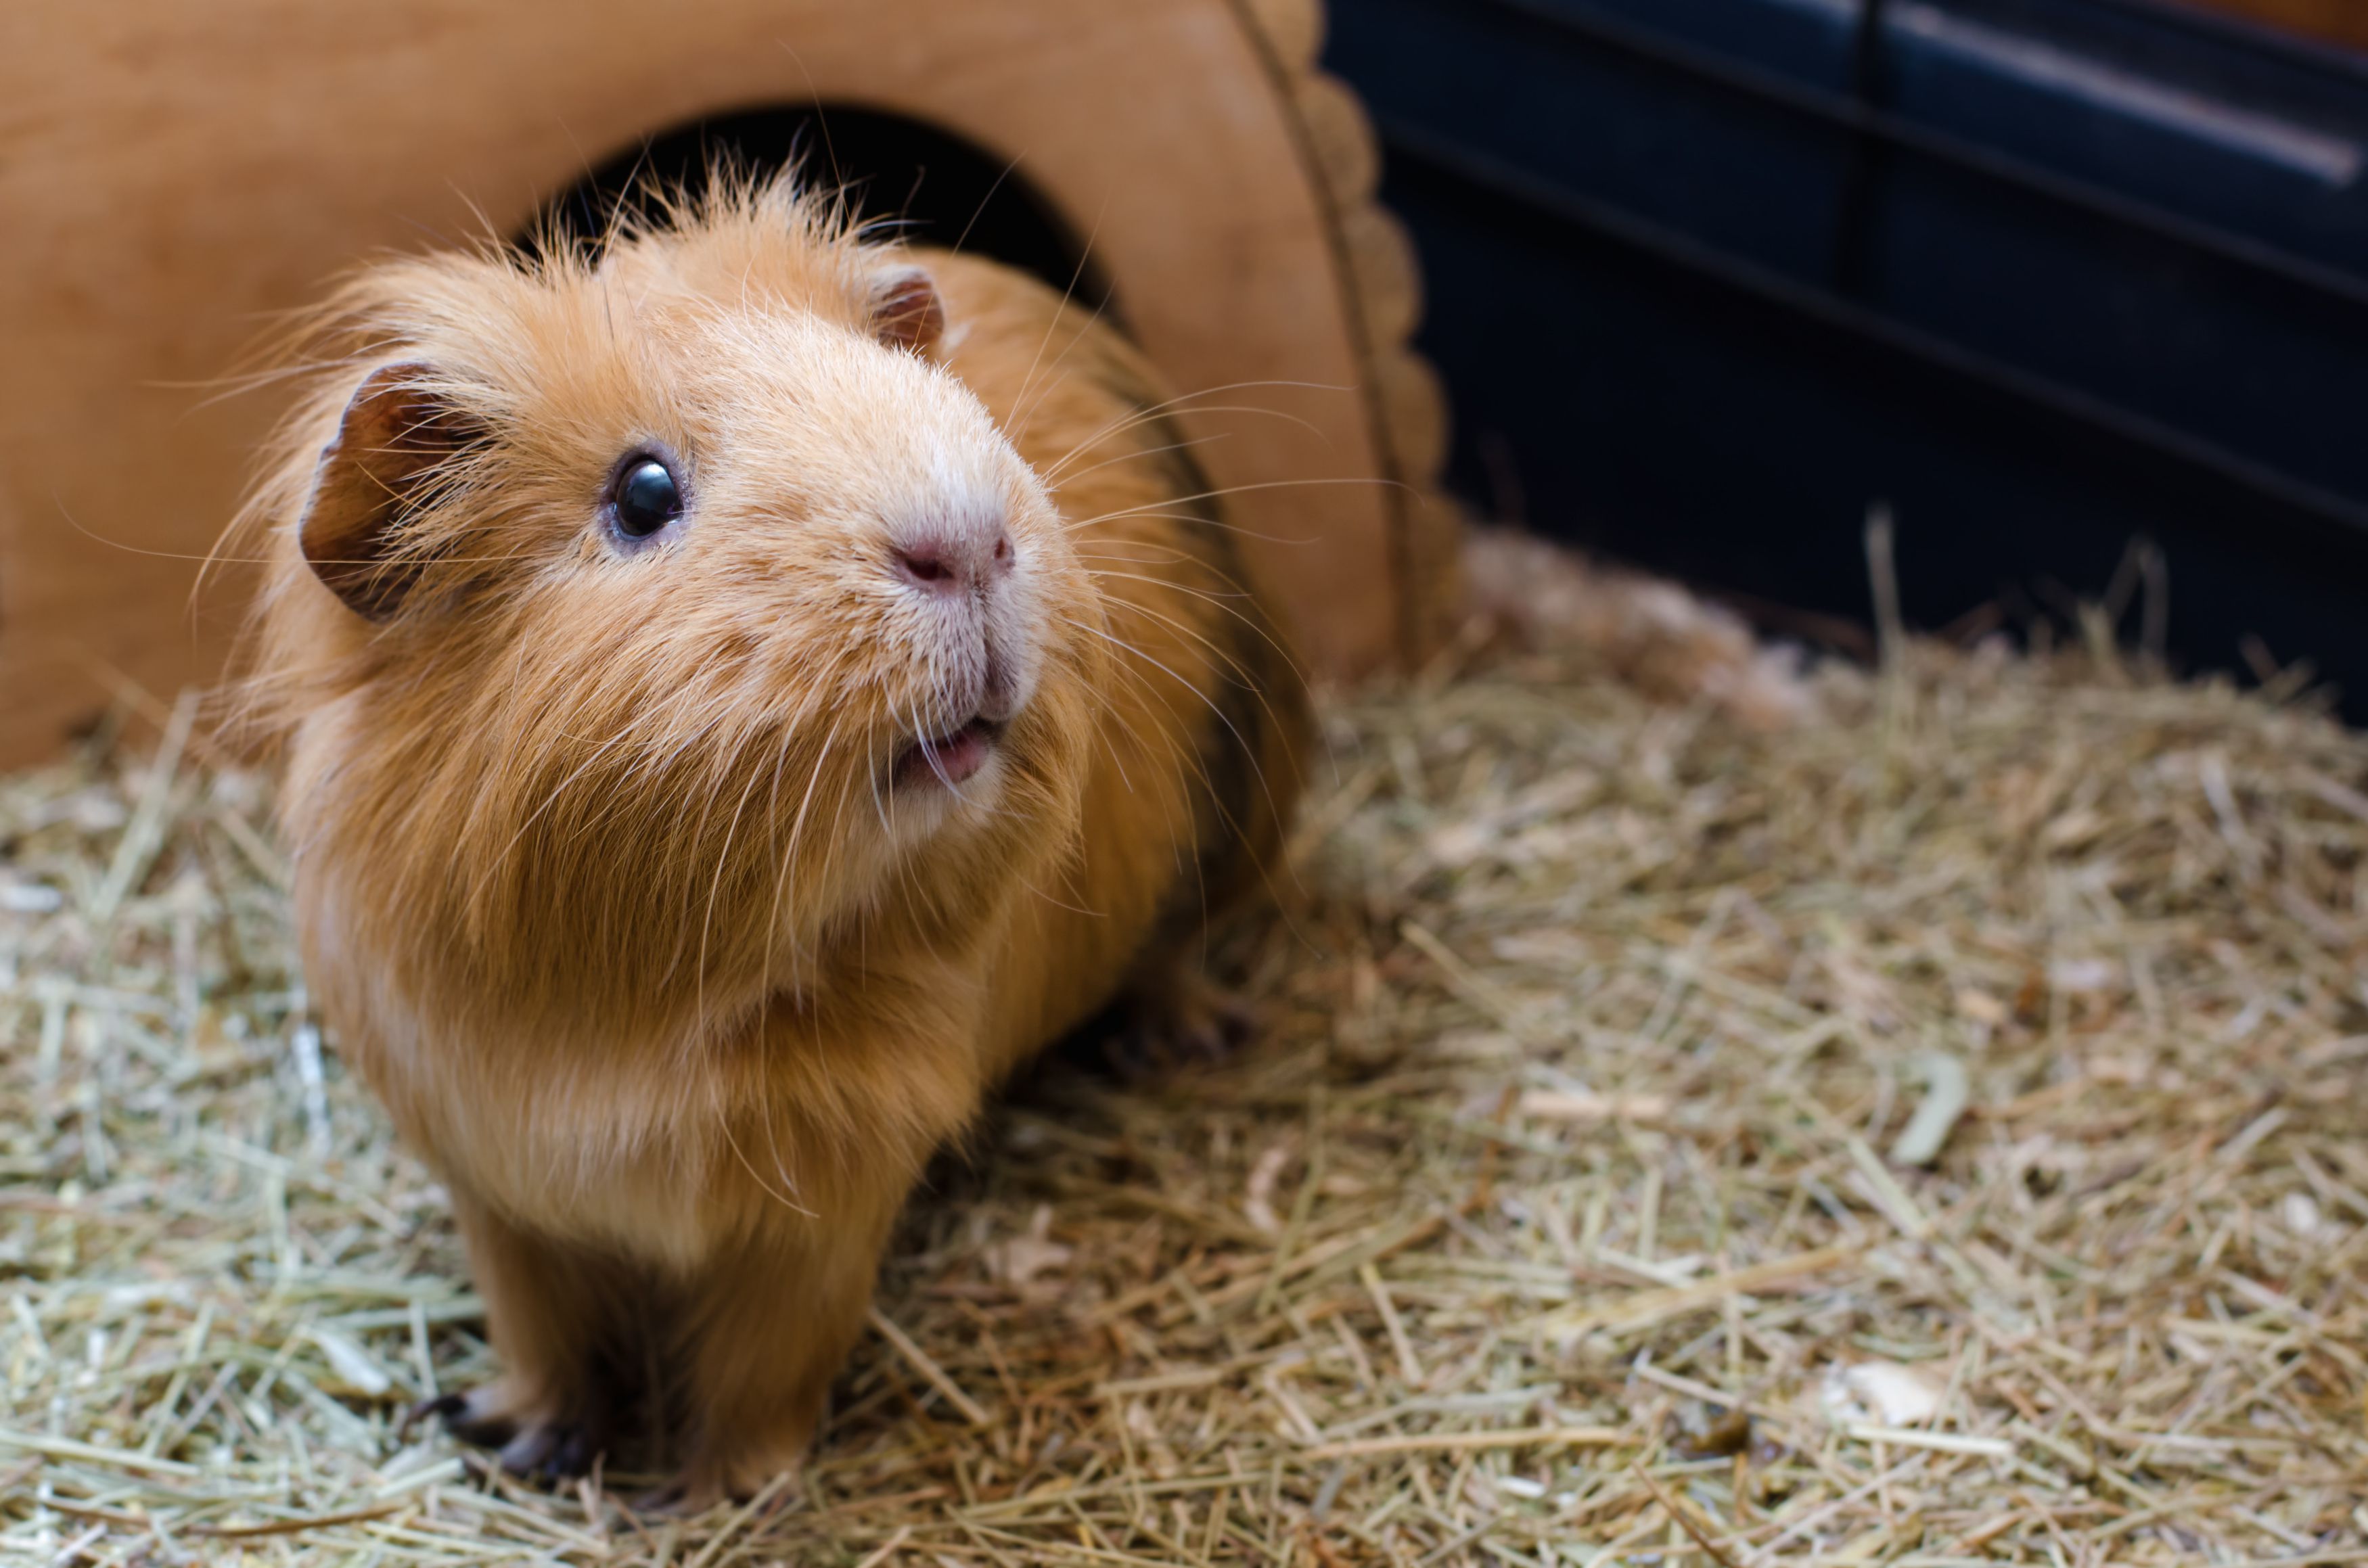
x: 740, y: 696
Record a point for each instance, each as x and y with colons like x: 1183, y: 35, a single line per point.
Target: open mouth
x: 951, y: 758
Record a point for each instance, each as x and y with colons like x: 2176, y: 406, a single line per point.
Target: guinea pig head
x: 647, y: 629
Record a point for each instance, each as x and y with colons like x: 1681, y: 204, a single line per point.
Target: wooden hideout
x: 175, y: 174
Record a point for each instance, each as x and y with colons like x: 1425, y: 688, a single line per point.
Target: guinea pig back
x: 740, y: 693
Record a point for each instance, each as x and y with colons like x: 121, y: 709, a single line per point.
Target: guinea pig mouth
x: 950, y: 759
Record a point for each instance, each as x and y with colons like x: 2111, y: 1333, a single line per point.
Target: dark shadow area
x: 935, y: 188
x: 1708, y: 279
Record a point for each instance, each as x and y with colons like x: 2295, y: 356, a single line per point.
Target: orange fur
x: 607, y: 880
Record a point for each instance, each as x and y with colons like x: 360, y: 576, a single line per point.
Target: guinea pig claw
x: 532, y: 1448
x: 1233, y: 1023
x: 465, y: 1418
x: 1196, y: 1024
x: 443, y: 1407
x: 698, y: 1493
x: 574, y: 1455
x: 551, y: 1452
x: 670, y: 1498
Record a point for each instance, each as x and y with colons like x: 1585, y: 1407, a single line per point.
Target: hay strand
x: 1927, y: 1134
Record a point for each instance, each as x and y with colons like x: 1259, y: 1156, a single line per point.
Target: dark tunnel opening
x: 933, y: 186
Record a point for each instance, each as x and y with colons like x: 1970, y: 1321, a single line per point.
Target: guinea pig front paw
x: 552, y: 1450
x: 1186, y: 1021
x: 707, y: 1486
x: 535, y: 1443
x: 469, y: 1416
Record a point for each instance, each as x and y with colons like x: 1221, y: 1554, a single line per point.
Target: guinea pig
x: 740, y: 691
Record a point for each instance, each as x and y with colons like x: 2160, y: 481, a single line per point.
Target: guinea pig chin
x: 984, y: 676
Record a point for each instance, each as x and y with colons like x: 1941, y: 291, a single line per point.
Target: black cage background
x: 1708, y: 278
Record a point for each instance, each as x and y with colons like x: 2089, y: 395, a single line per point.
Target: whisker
x: 785, y: 1200
x: 1240, y: 675
x: 1019, y: 399
x: 1257, y: 623
x: 1248, y: 750
x: 1148, y: 510
x: 714, y: 890
x: 1147, y: 413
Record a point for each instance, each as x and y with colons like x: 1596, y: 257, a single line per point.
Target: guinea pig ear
x: 392, y: 436
x: 905, y: 311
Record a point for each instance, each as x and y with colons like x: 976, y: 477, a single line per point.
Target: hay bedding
x: 1928, y: 1136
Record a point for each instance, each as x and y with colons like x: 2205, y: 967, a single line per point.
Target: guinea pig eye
x: 646, y: 498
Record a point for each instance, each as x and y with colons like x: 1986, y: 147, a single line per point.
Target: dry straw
x: 1933, y: 1135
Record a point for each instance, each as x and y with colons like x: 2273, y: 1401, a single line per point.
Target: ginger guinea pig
x: 740, y: 694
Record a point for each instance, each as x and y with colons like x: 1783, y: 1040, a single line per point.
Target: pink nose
x: 950, y: 562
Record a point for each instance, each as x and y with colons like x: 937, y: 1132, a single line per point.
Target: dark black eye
x: 647, y: 498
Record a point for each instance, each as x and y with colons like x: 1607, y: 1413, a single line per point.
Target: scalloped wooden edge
x: 1380, y: 282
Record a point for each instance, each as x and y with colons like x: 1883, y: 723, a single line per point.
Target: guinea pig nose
x: 927, y: 563
x: 950, y: 562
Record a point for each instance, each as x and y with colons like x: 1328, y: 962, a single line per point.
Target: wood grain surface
x: 175, y: 173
